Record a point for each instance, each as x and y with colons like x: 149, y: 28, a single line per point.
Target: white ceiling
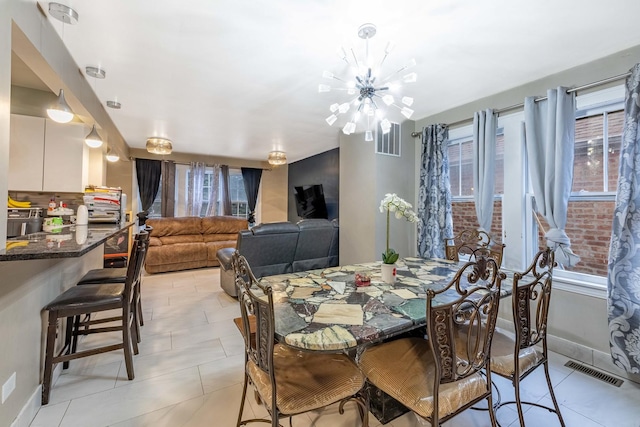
x: 239, y: 78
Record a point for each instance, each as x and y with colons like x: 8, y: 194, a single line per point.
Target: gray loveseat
x: 282, y: 247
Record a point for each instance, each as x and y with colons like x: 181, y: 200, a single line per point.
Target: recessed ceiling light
x: 114, y: 104
x: 96, y: 72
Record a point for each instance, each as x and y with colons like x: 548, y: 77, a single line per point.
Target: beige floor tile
x: 204, y: 332
x: 91, y: 379
x: 223, y: 313
x: 222, y: 373
x: 165, y: 362
x: 50, y: 415
x: 133, y: 399
x: 174, y: 323
x: 233, y: 344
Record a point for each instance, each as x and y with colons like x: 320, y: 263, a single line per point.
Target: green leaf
x: 390, y: 256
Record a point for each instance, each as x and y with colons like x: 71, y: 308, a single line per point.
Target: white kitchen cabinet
x: 26, y: 153
x: 49, y: 156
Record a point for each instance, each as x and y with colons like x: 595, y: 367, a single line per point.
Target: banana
x: 16, y: 204
x: 14, y: 244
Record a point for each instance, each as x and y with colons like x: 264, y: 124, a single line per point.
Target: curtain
x: 484, y: 165
x: 148, y: 175
x: 194, y: 188
x: 226, y: 196
x: 549, y: 141
x: 212, y: 201
x: 434, y: 199
x: 251, y: 178
x: 623, y: 280
x: 168, y: 188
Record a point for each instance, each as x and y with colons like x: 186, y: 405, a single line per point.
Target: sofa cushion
x: 223, y: 237
x: 269, y: 245
x: 214, y: 247
x: 189, y: 225
x: 155, y: 241
x: 222, y: 225
x: 184, y: 238
x: 179, y: 252
x: 314, y: 242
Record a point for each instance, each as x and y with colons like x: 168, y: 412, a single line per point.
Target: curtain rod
x: 189, y: 164
x: 542, y: 98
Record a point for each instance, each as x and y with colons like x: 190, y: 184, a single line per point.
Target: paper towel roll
x: 81, y: 234
x: 82, y: 216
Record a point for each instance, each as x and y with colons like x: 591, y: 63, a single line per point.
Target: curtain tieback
x: 558, y: 240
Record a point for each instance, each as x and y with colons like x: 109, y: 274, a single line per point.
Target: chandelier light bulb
x: 407, y: 112
x: 407, y: 100
x: 331, y: 119
x: 410, y: 78
x: 334, y: 107
x: 385, y: 125
x: 112, y: 157
x: 389, y: 47
x: 324, y: 88
x: 368, y: 136
x: 328, y: 74
x: 411, y: 63
x: 387, y: 99
x: 344, y: 108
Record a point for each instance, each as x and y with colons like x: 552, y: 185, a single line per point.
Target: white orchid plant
x: 401, y: 209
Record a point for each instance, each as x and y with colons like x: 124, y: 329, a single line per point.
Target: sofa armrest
x: 155, y: 241
x: 224, y: 257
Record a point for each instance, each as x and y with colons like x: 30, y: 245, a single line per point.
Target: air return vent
x: 389, y: 143
x: 594, y: 373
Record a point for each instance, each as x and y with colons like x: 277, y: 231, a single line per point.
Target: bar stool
x: 118, y: 275
x: 84, y: 300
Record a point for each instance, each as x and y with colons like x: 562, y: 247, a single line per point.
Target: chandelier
x: 156, y: 145
x: 277, y: 158
x: 370, y: 94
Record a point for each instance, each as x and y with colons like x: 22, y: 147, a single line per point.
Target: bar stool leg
x: 126, y: 343
x: 68, y: 336
x: 48, y: 360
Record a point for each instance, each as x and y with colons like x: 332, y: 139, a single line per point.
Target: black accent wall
x: 323, y: 168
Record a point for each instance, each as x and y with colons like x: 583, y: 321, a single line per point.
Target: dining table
x: 334, y: 309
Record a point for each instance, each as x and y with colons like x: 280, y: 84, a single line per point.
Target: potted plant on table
x: 401, y: 209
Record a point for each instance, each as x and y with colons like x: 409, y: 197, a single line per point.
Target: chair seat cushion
x: 306, y: 381
x: 88, y: 296
x: 104, y: 275
x: 405, y: 370
x: 502, y: 348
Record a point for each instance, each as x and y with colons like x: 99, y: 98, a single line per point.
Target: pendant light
x: 93, y: 139
x: 60, y: 111
x: 112, y: 156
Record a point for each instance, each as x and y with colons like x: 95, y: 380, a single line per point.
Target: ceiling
x: 239, y: 78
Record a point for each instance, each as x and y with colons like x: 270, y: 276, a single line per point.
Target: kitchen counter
x: 70, y: 242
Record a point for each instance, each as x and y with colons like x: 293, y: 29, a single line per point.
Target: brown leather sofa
x: 190, y: 242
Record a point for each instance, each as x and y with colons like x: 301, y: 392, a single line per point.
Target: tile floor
x: 189, y: 374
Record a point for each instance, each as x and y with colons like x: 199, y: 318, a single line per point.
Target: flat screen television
x: 310, y: 201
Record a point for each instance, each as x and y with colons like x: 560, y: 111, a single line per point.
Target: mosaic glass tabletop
x: 325, y: 310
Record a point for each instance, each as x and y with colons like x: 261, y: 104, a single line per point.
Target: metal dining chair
x: 288, y: 381
x: 439, y: 377
x: 515, y: 359
x: 466, y: 241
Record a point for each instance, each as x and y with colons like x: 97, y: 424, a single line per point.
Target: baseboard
x: 581, y: 353
x: 34, y: 403
x: 29, y: 410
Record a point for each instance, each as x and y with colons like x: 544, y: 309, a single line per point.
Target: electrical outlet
x: 8, y: 387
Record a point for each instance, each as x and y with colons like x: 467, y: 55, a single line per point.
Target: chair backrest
x: 531, y: 297
x: 472, y: 299
x: 269, y: 248
x: 134, y: 268
x: 468, y: 240
x: 314, y: 244
x: 256, y: 300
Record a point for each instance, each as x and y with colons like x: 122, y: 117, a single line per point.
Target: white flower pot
x: 388, y: 273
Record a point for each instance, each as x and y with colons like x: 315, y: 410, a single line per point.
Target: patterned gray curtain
x: 485, y: 127
x: 434, y: 200
x: 623, y: 280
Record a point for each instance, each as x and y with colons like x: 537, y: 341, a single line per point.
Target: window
x: 598, y: 136
x: 461, y: 177
x: 239, y: 206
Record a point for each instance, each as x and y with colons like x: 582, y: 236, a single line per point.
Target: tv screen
x: 310, y: 201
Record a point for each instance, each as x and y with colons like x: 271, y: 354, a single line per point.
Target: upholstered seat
x: 442, y: 376
x: 104, y: 275
x: 104, y: 297
x: 502, y: 360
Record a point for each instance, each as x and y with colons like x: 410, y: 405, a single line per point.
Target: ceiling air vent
x: 389, y: 144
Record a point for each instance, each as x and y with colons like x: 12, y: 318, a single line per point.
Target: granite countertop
x: 72, y: 241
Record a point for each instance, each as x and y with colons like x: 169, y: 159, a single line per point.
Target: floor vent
x: 594, y: 373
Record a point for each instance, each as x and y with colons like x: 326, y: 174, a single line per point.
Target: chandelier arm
x: 355, y: 58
